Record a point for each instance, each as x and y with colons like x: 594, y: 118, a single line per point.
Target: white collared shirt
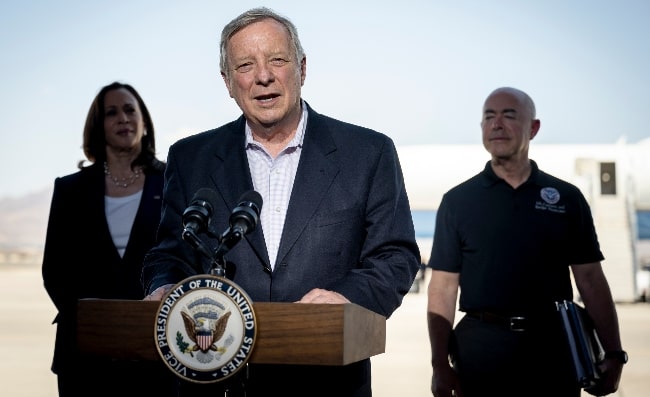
x: 273, y: 180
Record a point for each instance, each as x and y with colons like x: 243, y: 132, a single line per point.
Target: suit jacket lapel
x: 316, y: 171
x: 232, y: 177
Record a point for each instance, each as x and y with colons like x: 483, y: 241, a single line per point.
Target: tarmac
x: 27, y: 340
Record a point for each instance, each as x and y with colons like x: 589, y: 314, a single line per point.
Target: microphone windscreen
x: 253, y: 197
x: 206, y: 194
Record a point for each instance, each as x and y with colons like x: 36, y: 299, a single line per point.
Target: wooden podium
x: 287, y: 333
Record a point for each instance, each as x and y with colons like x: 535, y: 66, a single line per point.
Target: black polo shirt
x: 513, y: 247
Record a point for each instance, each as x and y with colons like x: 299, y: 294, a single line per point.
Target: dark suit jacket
x: 348, y: 227
x: 80, y: 259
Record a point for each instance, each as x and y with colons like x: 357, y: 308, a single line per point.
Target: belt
x: 516, y: 323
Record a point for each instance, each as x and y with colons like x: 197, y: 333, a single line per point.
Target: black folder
x: 583, y: 342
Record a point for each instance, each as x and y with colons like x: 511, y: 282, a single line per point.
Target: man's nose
x: 264, y: 74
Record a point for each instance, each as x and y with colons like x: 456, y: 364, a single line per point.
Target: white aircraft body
x: 615, y: 179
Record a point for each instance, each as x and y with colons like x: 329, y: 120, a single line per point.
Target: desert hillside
x: 23, y: 220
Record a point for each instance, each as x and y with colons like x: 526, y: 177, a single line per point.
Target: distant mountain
x: 23, y: 220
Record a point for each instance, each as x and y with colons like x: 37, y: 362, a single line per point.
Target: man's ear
x: 227, y: 82
x: 534, y: 128
x: 303, y: 70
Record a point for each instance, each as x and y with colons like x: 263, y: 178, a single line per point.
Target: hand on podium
x: 318, y: 295
x: 158, y: 293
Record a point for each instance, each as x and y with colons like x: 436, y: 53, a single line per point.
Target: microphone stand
x: 226, y: 241
x: 218, y: 267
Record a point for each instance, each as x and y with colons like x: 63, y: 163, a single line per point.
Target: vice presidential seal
x: 205, y: 329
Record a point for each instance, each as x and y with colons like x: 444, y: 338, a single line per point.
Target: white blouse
x: 120, y: 214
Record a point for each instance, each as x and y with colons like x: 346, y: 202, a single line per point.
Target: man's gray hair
x: 249, y: 17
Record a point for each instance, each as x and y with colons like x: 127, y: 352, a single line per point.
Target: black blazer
x: 348, y: 226
x: 348, y: 229
x: 80, y: 259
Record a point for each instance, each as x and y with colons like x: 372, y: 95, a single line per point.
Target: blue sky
x: 417, y: 71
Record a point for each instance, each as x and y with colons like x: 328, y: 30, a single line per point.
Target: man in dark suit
x: 335, y: 226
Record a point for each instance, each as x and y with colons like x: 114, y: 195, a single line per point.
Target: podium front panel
x: 287, y: 333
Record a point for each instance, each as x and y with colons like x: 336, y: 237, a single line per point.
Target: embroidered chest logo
x: 550, y: 197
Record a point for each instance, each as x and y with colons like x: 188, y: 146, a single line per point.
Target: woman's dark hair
x: 94, y: 138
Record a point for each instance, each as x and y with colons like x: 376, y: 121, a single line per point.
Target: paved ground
x: 26, y: 340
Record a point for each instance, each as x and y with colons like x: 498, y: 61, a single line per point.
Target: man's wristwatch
x: 620, y: 355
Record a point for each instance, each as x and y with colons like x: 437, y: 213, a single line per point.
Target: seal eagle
x: 205, y: 332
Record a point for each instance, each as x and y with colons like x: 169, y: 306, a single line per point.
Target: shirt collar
x: 297, y: 139
x: 490, y: 178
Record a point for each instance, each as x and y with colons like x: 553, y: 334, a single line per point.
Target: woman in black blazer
x: 103, y: 220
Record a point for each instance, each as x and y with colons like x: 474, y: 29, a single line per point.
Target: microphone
x: 196, y: 218
x: 245, y: 216
x: 243, y: 220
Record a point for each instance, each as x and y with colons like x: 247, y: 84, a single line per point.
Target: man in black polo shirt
x: 508, y: 238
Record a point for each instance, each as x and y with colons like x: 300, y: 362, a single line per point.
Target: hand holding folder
x: 585, y: 347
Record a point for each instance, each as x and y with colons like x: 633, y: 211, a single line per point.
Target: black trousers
x: 492, y: 360
x: 259, y: 380
x: 112, y: 378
